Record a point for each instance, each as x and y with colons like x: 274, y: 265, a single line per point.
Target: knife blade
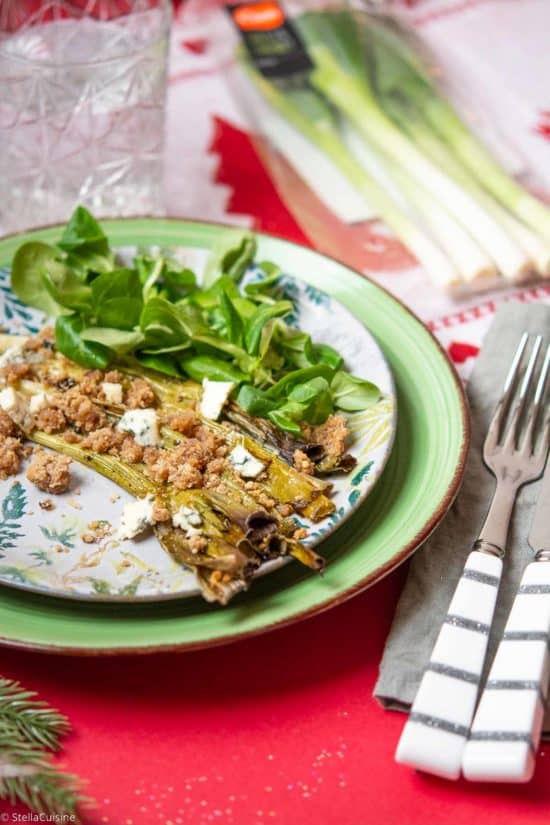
x: 539, y: 537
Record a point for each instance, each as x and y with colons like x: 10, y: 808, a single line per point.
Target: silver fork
x: 506, y: 730
x: 436, y: 732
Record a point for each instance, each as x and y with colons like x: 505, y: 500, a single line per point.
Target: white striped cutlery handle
x: 436, y: 732
x: 508, y: 722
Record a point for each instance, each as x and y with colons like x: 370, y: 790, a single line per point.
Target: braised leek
x: 241, y: 526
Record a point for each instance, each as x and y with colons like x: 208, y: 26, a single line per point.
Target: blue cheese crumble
x: 244, y: 463
x: 214, y: 396
x: 136, y: 517
x: 188, y: 520
x: 144, y: 426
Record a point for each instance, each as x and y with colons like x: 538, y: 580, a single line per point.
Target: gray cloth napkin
x: 436, y: 568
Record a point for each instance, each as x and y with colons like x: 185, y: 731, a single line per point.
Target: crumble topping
x: 331, y: 435
x: 10, y: 456
x: 184, y: 422
x: 303, y: 463
x: 49, y: 471
x: 51, y: 420
x: 7, y: 425
x: 140, y: 395
x: 191, y: 454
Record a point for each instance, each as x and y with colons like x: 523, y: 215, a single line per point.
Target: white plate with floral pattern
x: 43, y: 550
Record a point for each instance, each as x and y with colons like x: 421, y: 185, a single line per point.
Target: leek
x: 470, y: 260
x: 310, y: 114
x: 342, y: 74
x: 240, y: 534
x: 537, y: 247
x: 219, y: 554
x: 239, y: 537
x: 399, y: 72
x: 282, y: 482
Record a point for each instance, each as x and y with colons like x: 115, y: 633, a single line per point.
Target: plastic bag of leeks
x: 370, y: 92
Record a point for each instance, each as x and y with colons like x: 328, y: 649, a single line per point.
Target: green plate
x: 416, y: 489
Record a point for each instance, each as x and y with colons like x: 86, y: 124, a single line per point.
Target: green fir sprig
x: 29, y: 731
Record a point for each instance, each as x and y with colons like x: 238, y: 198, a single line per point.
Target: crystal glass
x: 82, y: 99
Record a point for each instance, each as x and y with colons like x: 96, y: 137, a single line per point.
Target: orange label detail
x: 259, y: 16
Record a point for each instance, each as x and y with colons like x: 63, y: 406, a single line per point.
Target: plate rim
x: 363, y: 584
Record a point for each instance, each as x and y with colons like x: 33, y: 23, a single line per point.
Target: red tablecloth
x: 279, y: 729
x: 283, y: 728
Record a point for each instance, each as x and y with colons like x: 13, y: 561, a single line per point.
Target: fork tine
x: 510, y: 378
x: 530, y: 368
x: 539, y: 392
x: 493, y: 433
x: 528, y: 442
x: 544, y: 445
x: 511, y: 436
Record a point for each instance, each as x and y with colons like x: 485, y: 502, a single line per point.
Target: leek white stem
x: 535, y: 246
x: 472, y: 263
x: 439, y: 268
x: 400, y: 71
x: 308, y: 112
x: 371, y: 121
x: 480, y: 163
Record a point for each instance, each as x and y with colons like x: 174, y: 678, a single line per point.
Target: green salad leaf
x: 231, y: 256
x: 83, y: 230
x: 162, y: 326
x: 292, y: 379
x: 255, y: 401
x: 68, y: 329
x: 353, y: 394
x: 315, y: 398
x: 66, y: 288
x: 117, y: 299
x: 176, y: 281
x: 118, y: 340
x: 160, y: 363
x: 157, y: 312
x: 30, y: 263
x: 233, y: 326
x: 259, y: 319
x: 324, y: 354
x: 86, y: 244
x: 286, y: 417
x: 200, y: 367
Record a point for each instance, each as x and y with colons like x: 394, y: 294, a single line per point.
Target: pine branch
x: 43, y: 790
x: 33, y: 720
x: 29, y: 729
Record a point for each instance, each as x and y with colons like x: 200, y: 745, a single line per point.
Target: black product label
x: 271, y: 40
